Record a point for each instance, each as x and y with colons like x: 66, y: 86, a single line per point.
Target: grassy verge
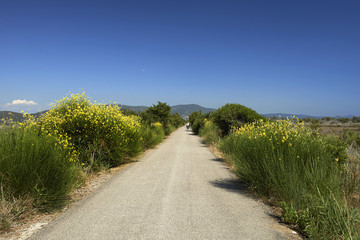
x: 34, y: 172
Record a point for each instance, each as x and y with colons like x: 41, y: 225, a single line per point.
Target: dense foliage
x: 34, y: 165
x: 234, y: 115
x: 196, y: 120
x: 161, y: 113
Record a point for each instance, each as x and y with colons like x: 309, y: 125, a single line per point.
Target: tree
x: 158, y: 113
x: 176, y: 120
x: 196, y: 120
x: 234, y: 115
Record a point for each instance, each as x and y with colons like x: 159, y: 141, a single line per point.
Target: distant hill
x: 187, y: 109
x: 17, y: 117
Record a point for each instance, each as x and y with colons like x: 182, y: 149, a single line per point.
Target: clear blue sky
x: 290, y: 56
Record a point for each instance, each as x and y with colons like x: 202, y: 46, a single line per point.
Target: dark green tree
x: 197, y: 120
x: 234, y: 115
x: 177, y: 121
x: 158, y: 113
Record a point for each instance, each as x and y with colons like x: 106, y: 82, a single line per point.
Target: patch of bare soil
x: 34, y: 220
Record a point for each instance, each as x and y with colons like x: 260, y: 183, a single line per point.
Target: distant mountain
x: 187, y: 109
x: 17, y: 117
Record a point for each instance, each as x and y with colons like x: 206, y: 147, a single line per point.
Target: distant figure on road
x: 187, y: 126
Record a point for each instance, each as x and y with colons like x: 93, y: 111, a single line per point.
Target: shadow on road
x: 230, y: 184
x: 217, y: 160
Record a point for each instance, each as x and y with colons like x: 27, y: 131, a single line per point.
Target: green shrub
x: 234, y: 115
x: 32, y: 164
x: 177, y: 121
x: 169, y: 129
x: 196, y: 120
x: 336, y: 147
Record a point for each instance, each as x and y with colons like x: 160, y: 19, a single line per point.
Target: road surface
x: 178, y: 191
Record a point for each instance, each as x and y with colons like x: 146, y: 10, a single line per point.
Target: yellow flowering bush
x: 157, y: 124
x: 98, y: 134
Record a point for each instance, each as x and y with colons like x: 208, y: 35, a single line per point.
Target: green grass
x: 299, y: 169
x: 152, y: 135
x: 210, y: 133
x: 33, y: 165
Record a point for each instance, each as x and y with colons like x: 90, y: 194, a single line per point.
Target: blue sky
x: 287, y: 56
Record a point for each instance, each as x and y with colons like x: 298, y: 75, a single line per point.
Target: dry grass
x: 13, y: 210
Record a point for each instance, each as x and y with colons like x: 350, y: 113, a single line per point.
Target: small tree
x: 234, y: 115
x: 176, y: 120
x: 159, y: 113
x: 196, y: 120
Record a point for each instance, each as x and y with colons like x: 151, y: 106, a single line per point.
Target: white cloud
x: 21, y: 102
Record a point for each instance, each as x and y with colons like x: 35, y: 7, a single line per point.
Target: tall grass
x: 351, y: 175
x: 292, y: 164
x: 210, y: 132
x: 152, y: 135
x: 32, y: 164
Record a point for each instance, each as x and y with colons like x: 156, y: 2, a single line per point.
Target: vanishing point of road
x: 179, y: 190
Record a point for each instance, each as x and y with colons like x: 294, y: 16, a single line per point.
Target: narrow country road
x: 177, y: 191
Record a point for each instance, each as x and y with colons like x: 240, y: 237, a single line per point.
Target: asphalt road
x: 177, y: 191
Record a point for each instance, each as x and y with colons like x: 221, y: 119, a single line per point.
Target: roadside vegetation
x: 312, y: 175
x: 42, y: 159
